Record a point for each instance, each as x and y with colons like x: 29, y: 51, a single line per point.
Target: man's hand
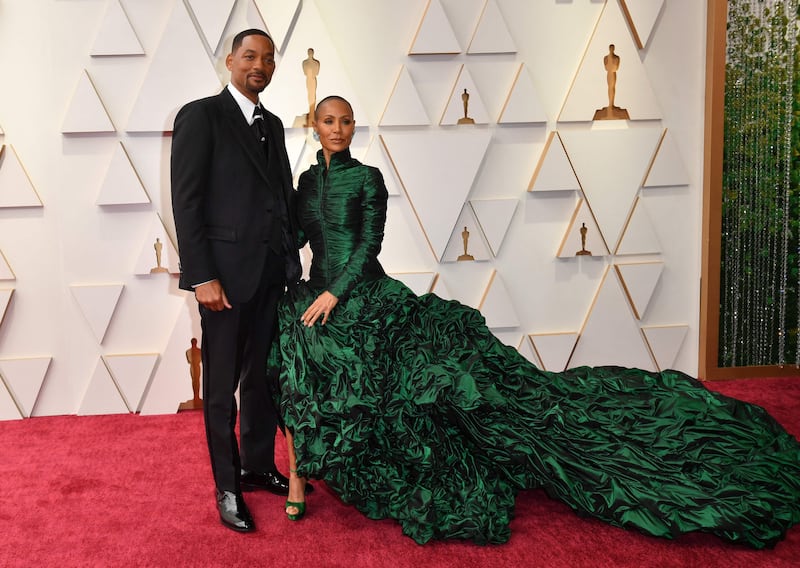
x: 212, y: 296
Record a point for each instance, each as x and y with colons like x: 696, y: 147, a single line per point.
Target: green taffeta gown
x: 409, y: 408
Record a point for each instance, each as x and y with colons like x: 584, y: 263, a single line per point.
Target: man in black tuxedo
x: 231, y: 195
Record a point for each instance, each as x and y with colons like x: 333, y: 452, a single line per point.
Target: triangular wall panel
x: 24, y: 379
x: 464, y: 88
x: 554, y: 171
x: 288, y: 93
x: 496, y: 305
x: 435, y: 34
x: 296, y: 140
x: 172, y: 380
x: 610, y: 335
x: 211, y: 16
x: 665, y: 342
x: 97, y: 302
x: 86, y: 112
x: 122, y: 184
x: 667, y: 168
x: 5, y: 299
x: 437, y: 170
x: 278, y: 16
x: 16, y: 189
x: 491, y: 35
x: 639, y: 281
x: 527, y: 350
x: 641, y: 16
x: 8, y: 408
x: 554, y: 349
x: 467, y: 234
x: 494, y: 217
x: 404, y: 107
x: 590, y: 88
x: 6, y: 273
x: 167, y: 86
x: 523, y: 104
x: 131, y: 373
x: 611, y: 165
x: 639, y: 236
x: 575, y: 241
x: 376, y: 156
x: 440, y: 288
x: 511, y: 338
x: 101, y: 395
x: 419, y: 282
x: 116, y: 35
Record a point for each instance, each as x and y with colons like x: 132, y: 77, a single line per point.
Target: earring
x: 315, y: 135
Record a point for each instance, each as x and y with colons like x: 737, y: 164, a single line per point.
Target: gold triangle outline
x: 27, y: 176
x: 104, y: 358
x: 14, y: 400
x: 10, y: 268
x: 410, y: 201
x: 581, y: 62
x: 568, y: 232
x: 628, y: 221
x: 543, y: 156
x: 631, y: 24
x: 644, y: 330
x: 99, y: 99
x: 8, y: 303
x: 569, y: 355
x: 478, y: 27
x: 135, y: 172
x: 419, y: 28
x: 626, y: 290
x: 39, y: 390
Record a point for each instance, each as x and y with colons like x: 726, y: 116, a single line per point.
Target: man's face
x: 252, y: 65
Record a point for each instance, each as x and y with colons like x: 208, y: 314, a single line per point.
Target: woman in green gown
x: 409, y: 408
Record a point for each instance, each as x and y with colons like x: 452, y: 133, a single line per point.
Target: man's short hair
x: 239, y: 38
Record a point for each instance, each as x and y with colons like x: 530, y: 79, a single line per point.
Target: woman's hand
x: 322, y: 306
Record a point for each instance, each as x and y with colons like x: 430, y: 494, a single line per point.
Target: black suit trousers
x: 235, y: 346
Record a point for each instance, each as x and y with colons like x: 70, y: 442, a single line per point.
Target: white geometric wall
x: 91, y: 322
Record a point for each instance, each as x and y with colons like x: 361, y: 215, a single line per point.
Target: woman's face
x: 335, y: 125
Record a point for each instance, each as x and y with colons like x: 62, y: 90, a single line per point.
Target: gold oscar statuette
x: 465, y: 238
x: 158, y: 246
x: 611, y: 112
x: 583, y: 251
x: 194, y: 358
x: 310, y: 70
x: 465, y: 100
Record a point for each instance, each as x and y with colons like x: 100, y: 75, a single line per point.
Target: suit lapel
x: 241, y: 133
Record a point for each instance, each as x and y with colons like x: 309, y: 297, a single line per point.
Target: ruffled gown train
x: 409, y: 408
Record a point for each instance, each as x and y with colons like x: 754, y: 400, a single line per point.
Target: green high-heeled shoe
x: 301, y: 510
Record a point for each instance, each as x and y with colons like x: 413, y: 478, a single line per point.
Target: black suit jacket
x: 224, y: 196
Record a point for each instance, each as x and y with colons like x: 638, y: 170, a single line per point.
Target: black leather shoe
x: 272, y: 481
x: 233, y: 511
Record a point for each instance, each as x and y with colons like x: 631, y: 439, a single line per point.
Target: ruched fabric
x: 409, y: 408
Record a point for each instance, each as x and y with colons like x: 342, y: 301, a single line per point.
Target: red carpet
x: 127, y: 490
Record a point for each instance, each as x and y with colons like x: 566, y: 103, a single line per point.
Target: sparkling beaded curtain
x: 759, y: 274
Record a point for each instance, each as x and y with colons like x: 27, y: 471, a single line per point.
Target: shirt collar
x: 246, y: 105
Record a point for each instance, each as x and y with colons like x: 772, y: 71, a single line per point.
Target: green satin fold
x: 409, y: 408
